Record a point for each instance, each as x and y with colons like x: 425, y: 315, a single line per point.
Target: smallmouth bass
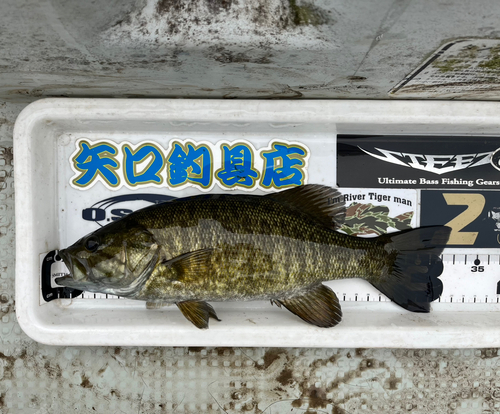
x: 279, y: 247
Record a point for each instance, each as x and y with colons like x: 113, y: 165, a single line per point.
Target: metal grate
x: 457, y: 69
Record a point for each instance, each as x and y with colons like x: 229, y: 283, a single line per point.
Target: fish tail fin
x: 412, y: 278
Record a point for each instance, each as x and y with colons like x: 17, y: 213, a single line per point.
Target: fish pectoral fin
x: 197, y: 312
x: 324, y: 203
x: 319, y: 306
x: 190, y: 265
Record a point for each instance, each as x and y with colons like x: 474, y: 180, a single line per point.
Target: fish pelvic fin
x: 324, y: 203
x: 156, y: 305
x: 319, y: 306
x: 197, y: 312
x: 412, y: 280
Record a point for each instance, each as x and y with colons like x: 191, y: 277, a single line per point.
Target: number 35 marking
x: 475, y: 204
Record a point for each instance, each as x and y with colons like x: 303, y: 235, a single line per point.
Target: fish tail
x: 411, y: 278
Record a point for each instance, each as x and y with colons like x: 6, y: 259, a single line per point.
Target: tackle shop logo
x: 114, y: 208
x: 186, y: 163
x: 436, y: 164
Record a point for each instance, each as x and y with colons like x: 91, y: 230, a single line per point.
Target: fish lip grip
x: 50, y: 293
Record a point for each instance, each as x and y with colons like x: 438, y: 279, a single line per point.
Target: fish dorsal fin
x: 324, y: 203
x: 318, y: 306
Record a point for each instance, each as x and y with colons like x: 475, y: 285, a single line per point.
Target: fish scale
x: 302, y: 254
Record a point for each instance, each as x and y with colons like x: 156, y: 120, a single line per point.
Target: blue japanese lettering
x: 190, y: 163
x: 95, y: 160
x: 237, y: 166
x: 283, y: 166
x: 151, y: 172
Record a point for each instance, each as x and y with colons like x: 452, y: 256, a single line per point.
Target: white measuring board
x: 426, y: 163
x: 471, y: 278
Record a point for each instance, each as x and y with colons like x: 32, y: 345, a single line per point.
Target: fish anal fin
x: 324, y: 203
x: 319, y: 306
x: 190, y: 265
x: 197, y: 312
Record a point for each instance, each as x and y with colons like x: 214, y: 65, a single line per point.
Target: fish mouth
x: 77, y: 271
x: 68, y: 281
x: 82, y: 277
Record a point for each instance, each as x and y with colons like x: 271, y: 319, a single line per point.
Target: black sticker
x: 427, y: 162
x: 474, y: 216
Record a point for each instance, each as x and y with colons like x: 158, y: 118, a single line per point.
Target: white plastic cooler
x: 53, y: 212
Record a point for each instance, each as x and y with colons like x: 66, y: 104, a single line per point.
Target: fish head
x: 115, y: 259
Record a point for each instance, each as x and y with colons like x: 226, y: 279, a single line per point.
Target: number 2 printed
x: 475, y: 204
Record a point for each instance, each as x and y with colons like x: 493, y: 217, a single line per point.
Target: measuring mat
x: 83, y: 163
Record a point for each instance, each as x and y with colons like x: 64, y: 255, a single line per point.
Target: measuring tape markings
x: 471, y: 278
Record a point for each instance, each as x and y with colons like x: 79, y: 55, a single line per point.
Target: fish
x: 279, y: 247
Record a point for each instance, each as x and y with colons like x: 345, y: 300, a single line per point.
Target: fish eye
x: 91, y: 244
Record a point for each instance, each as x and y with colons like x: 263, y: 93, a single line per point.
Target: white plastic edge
x: 475, y: 115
